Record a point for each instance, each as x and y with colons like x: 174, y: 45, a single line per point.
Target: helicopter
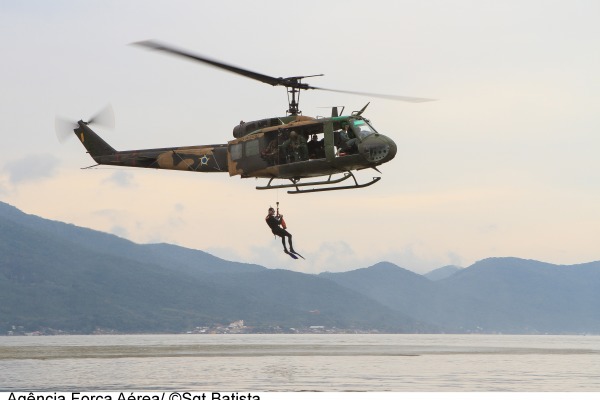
x: 261, y: 148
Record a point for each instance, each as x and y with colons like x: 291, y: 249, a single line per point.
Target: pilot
x: 295, y: 148
x: 274, y: 223
x: 347, y: 144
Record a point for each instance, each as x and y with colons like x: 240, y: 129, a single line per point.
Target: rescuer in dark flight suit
x: 274, y: 223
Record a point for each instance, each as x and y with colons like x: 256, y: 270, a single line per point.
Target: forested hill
x: 495, y: 295
x: 62, y: 277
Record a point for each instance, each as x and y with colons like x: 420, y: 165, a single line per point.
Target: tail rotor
x: 64, y: 127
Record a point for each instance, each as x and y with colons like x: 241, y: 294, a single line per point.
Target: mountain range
x: 60, y: 277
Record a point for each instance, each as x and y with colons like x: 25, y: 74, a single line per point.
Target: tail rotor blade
x: 64, y: 128
x: 105, y: 117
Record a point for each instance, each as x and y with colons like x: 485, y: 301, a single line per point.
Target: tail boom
x: 208, y: 158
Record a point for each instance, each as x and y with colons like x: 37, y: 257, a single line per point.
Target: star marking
x: 204, y: 160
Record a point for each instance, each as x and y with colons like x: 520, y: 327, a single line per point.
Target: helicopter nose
x: 378, y: 149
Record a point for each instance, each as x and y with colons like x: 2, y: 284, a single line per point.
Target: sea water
x: 336, y: 362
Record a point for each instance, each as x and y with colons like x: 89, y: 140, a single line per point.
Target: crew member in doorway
x: 295, y: 148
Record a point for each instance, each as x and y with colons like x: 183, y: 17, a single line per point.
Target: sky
x: 503, y: 163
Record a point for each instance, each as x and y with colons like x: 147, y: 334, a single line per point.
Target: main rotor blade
x: 291, y: 82
x: 383, y: 96
x: 218, y: 64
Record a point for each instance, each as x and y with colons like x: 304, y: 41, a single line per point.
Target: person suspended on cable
x: 278, y: 227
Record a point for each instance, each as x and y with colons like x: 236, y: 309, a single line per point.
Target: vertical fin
x: 94, y: 144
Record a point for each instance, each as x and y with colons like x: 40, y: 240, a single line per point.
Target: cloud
x: 119, y: 231
x: 31, y: 168
x: 334, y: 256
x: 3, y: 188
x: 270, y: 254
x: 121, y: 179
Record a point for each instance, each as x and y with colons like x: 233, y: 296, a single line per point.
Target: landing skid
x: 328, y: 181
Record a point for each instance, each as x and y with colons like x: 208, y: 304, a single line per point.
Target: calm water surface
x: 300, y: 363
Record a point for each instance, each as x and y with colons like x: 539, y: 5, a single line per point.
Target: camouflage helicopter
x: 261, y: 148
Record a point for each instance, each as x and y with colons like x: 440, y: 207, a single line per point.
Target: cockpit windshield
x: 362, y: 128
